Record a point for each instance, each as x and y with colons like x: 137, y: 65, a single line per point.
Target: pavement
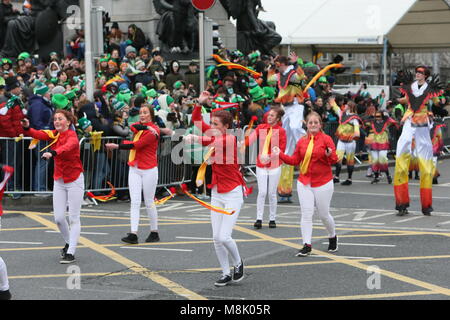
x: 381, y: 256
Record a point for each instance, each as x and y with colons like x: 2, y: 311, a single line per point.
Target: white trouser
x: 267, y: 185
x: 222, y: 226
x: 320, y: 198
x: 4, y: 284
x: 292, y: 123
x: 68, y: 194
x: 143, y: 181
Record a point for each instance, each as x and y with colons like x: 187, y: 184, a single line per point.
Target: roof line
x: 309, y: 17
x: 406, y: 12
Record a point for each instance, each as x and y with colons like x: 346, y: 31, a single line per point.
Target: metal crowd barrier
x: 101, y: 166
x: 34, y: 175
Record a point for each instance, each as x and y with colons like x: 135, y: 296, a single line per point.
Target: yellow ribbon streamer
x: 132, y: 155
x: 96, y: 140
x: 265, y: 150
x: 50, y: 134
x: 307, y: 159
x: 200, y: 179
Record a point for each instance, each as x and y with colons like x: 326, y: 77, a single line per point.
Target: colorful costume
x: 290, y: 95
x: 347, y: 132
x: 378, y: 143
x: 438, y: 144
x: 415, y: 125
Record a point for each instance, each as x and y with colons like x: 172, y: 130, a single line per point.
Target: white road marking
x: 175, y: 206
x: 373, y: 217
x: 359, y: 215
x: 194, y: 238
x: 344, y: 257
x: 384, y: 195
x: 88, y: 233
x: 157, y: 249
x: 364, y: 244
x: 409, y: 219
x: 446, y: 185
x: 443, y: 223
x: 15, y: 242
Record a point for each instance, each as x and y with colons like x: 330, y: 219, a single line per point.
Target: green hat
x: 237, y: 98
x: 118, y: 105
x: 169, y: 100
x: 6, y: 61
x: 177, y: 85
x: 252, y: 83
x: 144, y: 89
x: 257, y: 94
x: 125, y: 97
x: 23, y: 56
x: 60, y: 101
x: 70, y: 95
x: 84, y: 123
x: 40, y: 88
x: 151, y: 93
x: 53, y: 53
x: 270, y: 93
x: 323, y: 79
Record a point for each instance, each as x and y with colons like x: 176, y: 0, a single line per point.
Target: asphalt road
x: 381, y: 256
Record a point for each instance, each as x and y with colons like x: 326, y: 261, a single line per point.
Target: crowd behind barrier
x: 34, y: 175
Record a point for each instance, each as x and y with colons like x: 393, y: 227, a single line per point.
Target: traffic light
x: 217, y: 41
x: 213, y: 42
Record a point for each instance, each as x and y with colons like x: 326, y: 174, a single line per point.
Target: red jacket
x: 226, y: 172
x: 10, y: 125
x: 146, y: 148
x: 319, y: 169
x: 278, y: 139
x: 68, y: 164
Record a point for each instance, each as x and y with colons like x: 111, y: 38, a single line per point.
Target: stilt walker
x: 289, y: 81
x: 416, y: 125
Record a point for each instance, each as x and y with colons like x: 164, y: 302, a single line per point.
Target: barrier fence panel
x: 31, y: 173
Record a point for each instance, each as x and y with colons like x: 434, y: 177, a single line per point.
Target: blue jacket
x: 40, y: 113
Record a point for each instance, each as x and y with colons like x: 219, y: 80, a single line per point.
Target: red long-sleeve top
x: 146, y: 148
x: 278, y: 139
x: 68, y: 164
x: 225, y: 168
x: 319, y: 169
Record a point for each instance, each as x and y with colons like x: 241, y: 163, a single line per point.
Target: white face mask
x: 176, y: 66
x: 54, y: 74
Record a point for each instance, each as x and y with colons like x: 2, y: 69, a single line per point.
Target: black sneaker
x: 402, y: 212
x: 223, y: 281
x: 272, y: 224
x: 68, y: 258
x: 375, y: 180
x: 389, y: 179
x: 64, y: 250
x: 427, y: 211
x: 346, y: 182
x: 333, y: 245
x: 336, y: 180
x: 305, y: 251
x: 435, y: 180
x: 416, y: 177
x: 130, y: 238
x: 238, y: 272
x: 5, y: 295
x: 258, y: 224
x: 153, y: 237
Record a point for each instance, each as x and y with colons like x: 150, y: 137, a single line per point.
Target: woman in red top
x: 316, y: 153
x: 68, y: 175
x: 227, y: 187
x: 268, y: 172
x: 143, y: 174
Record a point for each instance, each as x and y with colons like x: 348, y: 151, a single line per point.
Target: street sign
x: 203, y: 5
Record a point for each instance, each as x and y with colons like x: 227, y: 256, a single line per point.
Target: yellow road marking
x: 375, y: 296
x: 133, y: 266
x: 356, y: 264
